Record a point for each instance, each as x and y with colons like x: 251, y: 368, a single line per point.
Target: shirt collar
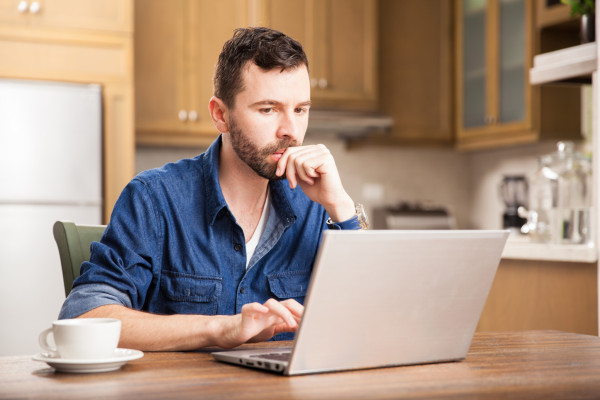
x: 216, y: 201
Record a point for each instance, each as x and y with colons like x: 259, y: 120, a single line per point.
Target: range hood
x: 348, y: 124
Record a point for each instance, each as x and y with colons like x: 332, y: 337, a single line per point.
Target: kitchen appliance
x: 514, y: 193
x: 50, y: 169
x: 408, y: 215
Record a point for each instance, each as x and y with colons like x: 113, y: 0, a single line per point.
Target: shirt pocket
x: 289, y: 285
x: 190, y: 294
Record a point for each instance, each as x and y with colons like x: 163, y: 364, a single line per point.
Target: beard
x: 258, y: 158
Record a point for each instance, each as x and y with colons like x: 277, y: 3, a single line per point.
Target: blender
x: 514, y: 194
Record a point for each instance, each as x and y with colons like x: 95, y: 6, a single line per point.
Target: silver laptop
x: 387, y: 298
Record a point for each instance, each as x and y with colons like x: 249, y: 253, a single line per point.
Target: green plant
x: 581, y: 7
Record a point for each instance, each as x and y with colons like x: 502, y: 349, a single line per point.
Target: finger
x: 287, y: 167
x: 255, y: 308
x: 301, y: 169
x: 295, y: 308
x: 282, y: 312
x: 302, y: 161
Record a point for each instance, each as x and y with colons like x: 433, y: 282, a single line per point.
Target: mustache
x: 279, y: 145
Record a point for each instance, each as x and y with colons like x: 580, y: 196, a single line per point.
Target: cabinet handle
x: 35, y: 7
x: 193, y: 115
x: 23, y: 7
x: 182, y: 115
x: 323, y: 83
x: 490, y: 119
x: 314, y: 82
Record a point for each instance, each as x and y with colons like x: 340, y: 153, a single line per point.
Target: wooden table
x: 516, y: 365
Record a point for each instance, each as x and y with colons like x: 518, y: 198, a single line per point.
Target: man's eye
x: 301, y: 110
x: 267, y: 110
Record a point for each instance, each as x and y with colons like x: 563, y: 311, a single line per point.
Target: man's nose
x: 288, y: 126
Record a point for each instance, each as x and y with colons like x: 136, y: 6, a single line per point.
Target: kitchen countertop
x: 519, y: 247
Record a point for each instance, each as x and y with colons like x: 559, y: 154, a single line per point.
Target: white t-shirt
x: 253, y: 242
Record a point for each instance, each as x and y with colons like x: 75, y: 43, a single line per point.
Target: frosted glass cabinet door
x: 474, y: 68
x: 512, y: 61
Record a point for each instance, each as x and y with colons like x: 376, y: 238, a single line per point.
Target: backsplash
x: 433, y: 176
x: 464, y: 183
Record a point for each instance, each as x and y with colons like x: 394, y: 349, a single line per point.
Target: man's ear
x: 218, y: 112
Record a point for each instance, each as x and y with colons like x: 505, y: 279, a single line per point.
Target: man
x: 218, y: 250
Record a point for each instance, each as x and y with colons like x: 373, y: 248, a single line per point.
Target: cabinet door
x: 176, y: 49
x: 339, y: 39
x: 211, y: 25
x: 106, y: 15
x: 160, y: 64
x: 415, y: 86
x: 345, y: 52
x: 494, y: 98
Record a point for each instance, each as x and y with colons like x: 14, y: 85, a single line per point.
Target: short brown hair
x: 265, y: 47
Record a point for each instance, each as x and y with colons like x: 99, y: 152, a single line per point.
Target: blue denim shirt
x: 174, y: 247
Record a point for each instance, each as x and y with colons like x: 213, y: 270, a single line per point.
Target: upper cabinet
x: 104, y: 15
x: 495, y: 49
x: 415, y: 71
x: 176, y: 47
x: 177, y: 44
x: 496, y: 105
x: 340, y: 40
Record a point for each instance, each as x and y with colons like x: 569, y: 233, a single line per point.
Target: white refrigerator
x: 50, y: 169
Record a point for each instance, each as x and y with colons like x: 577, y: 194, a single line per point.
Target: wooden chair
x: 73, y: 243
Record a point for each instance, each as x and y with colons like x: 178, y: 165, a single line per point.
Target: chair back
x: 73, y: 243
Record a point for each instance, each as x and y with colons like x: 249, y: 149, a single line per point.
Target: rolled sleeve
x: 350, y: 224
x: 84, y: 298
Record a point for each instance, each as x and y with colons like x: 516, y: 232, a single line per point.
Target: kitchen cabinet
x: 82, y: 42
x: 415, y: 70
x: 529, y: 294
x: 177, y: 45
x: 496, y: 105
x: 176, y: 48
x: 103, y: 15
x: 340, y: 40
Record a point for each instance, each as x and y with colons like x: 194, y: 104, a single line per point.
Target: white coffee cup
x: 83, y: 338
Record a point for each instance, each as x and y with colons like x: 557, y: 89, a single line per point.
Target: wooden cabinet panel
x: 107, y: 15
x: 160, y: 89
x: 176, y: 49
x: 340, y: 41
x: 551, y: 12
x: 346, y: 54
x: 543, y: 295
x: 415, y: 70
x: 495, y: 103
x: 212, y: 25
x: 63, y: 60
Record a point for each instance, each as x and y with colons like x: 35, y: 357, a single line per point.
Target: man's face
x: 270, y: 114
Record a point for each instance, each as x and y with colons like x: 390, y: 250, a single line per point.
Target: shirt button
x: 242, y: 290
x: 237, y: 247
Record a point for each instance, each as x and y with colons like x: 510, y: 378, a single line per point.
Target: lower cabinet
x: 529, y: 295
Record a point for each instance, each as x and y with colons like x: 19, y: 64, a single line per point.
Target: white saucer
x: 120, y: 357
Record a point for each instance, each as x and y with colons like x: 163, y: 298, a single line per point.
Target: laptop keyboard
x: 274, y: 356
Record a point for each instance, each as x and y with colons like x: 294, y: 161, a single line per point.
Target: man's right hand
x: 258, y: 322
x: 151, y: 332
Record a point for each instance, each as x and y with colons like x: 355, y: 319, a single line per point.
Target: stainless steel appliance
x: 50, y: 169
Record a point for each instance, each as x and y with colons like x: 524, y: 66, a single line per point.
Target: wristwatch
x: 361, y: 216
